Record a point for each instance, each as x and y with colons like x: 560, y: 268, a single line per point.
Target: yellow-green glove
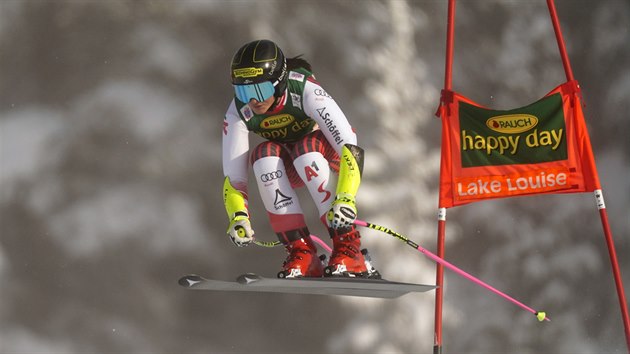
x: 343, y: 212
x: 240, y: 229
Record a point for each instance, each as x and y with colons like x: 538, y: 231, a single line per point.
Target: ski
x: 363, y: 287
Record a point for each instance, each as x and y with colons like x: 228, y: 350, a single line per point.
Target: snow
x: 110, y: 177
x: 25, y: 146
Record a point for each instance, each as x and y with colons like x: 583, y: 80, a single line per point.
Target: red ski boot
x: 347, y: 259
x: 302, y: 260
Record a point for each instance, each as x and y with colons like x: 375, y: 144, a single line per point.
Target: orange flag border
x: 461, y: 185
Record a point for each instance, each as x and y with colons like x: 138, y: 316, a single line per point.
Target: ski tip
x: 188, y: 281
x: 248, y: 278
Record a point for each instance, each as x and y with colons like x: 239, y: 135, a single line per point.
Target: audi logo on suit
x: 271, y: 176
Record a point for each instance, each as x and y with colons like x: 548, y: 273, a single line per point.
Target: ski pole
x: 540, y: 315
x: 267, y: 243
x: 278, y: 243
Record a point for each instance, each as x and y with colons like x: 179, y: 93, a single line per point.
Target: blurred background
x: 110, y: 176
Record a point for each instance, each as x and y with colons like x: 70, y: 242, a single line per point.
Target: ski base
x: 363, y: 287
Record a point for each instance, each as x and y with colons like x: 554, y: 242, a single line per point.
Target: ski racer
x: 308, y: 142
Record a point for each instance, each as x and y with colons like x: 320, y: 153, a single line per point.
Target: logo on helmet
x: 247, y: 72
x: 283, y: 73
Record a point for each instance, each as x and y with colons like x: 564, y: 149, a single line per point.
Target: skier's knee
x: 267, y: 149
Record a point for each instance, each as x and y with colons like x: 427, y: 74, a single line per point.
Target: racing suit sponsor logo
x: 282, y: 201
x: 296, y: 76
x: 276, y: 122
x: 321, y: 92
x: 327, y: 194
x: 247, y: 72
x: 328, y: 122
x: 267, y: 177
x: 296, y: 100
x: 286, y: 131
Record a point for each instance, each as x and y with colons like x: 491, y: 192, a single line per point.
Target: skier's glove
x: 240, y: 229
x: 343, y: 212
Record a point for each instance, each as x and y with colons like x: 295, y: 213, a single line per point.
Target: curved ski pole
x: 540, y: 315
x: 270, y: 244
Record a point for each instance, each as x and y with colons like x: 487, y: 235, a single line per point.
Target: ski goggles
x: 260, y: 92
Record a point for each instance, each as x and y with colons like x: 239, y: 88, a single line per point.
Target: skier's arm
x: 240, y: 229
x: 343, y: 211
x: 322, y: 108
x: 235, y: 169
x: 332, y: 121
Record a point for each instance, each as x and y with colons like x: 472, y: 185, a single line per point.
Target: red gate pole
x: 615, y: 266
x: 598, y: 193
x: 560, y: 40
x: 439, y: 281
x: 450, y: 34
x: 439, y: 270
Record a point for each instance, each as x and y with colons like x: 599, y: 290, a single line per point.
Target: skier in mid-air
x: 308, y: 142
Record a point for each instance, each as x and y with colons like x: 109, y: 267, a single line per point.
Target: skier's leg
x: 316, y: 162
x: 315, y: 172
x: 283, y: 209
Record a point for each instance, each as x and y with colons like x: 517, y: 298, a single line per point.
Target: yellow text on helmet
x: 247, y: 72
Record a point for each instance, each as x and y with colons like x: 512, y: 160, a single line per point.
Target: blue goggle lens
x: 259, y: 92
